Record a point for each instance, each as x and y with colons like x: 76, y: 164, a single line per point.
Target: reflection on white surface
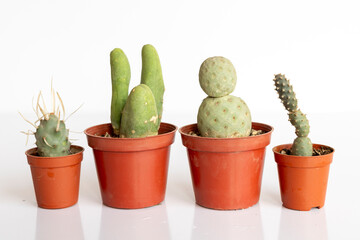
x: 59, y: 224
x: 146, y: 223
x: 237, y: 224
x: 303, y: 225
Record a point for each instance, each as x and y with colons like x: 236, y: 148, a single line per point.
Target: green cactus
x: 217, y: 77
x: 120, y: 78
x: 302, y: 145
x: 151, y: 75
x: 139, y: 118
x: 52, y: 137
x: 224, y: 117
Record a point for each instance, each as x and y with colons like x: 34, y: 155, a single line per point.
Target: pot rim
x: 110, y: 144
x: 86, y: 131
x: 302, y: 161
x: 226, y: 145
x: 181, y: 130
x: 54, y: 162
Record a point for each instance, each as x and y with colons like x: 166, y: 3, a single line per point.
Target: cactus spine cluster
x: 302, y: 145
x: 221, y: 115
x: 139, y: 114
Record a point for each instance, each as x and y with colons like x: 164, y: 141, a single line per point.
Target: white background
x: 315, y: 43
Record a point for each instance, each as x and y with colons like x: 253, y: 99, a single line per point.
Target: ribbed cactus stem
x: 302, y: 145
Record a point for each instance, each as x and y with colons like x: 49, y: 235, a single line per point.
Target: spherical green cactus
x: 224, y: 117
x: 52, y: 137
x: 217, y: 77
x: 139, y: 117
x: 120, y: 79
x: 151, y: 75
x: 302, y: 145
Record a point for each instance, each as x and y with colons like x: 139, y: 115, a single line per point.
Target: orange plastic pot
x: 132, y: 172
x: 303, y: 180
x: 56, y: 179
x: 226, y: 172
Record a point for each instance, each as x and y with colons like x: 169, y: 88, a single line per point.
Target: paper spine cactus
x: 151, y: 75
x: 302, y: 145
x: 221, y: 115
x: 120, y: 79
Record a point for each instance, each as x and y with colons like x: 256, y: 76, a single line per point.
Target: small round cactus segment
x: 286, y: 92
x: 217, y: 76
x: 224, y: 117
x: 151, y: 75
x: 302, y: 146
x: 120, y: 79
x: 139, y: 117
x: 300, y: 122
x: 52, y: 137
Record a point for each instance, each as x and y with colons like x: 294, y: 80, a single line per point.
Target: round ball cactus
x: 224, y: 117
x: 217, y: 77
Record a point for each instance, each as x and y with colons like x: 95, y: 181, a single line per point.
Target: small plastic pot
x: 56, y: 179
x: 226, y: 172
x: 303, y: 180
x: 132, y: 172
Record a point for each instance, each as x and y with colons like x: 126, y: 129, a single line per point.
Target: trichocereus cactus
x: 139, y: 114
x: 52, y: 136
x: 221, y: 115
x: 302, y: 145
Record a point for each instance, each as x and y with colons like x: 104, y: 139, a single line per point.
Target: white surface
x: 315, y: 43
x: 178, y: 217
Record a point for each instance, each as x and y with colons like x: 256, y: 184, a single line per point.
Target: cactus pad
x: 302, y: 146
x: 139, y: 117
x: 224, y: 117
x: 286, y: 92
x: 300, y: 122
x: 217, y: 76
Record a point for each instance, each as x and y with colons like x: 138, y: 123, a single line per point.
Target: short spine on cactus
x: 302, y: 145
x: 52, y: 137
x: 217, y: 76
x: 221, y: 115
x: 120, y: 79
x: 139, y: 118
x: 151, y: 75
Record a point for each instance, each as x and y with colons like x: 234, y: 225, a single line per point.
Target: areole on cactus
x: 302, y: 145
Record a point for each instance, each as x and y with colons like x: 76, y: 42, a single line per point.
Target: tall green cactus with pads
x: 302, y: 145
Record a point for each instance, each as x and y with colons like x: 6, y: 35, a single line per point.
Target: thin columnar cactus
x: 302, y: 145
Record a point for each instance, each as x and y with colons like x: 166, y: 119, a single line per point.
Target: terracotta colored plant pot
x: 56, y: 179
x: 303, y: 180
x: 132, y: 172
x: 226, y: 172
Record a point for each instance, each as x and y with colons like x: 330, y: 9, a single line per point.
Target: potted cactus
x: 226, y: 150
x: 55, y: 163
x: 303, y: 167
x: 132, y: 152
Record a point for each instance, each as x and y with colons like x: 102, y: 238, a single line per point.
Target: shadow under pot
x: 132, y: 172
x: 303, y: 180
x: 226, y: 172
x: 56, y: 179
